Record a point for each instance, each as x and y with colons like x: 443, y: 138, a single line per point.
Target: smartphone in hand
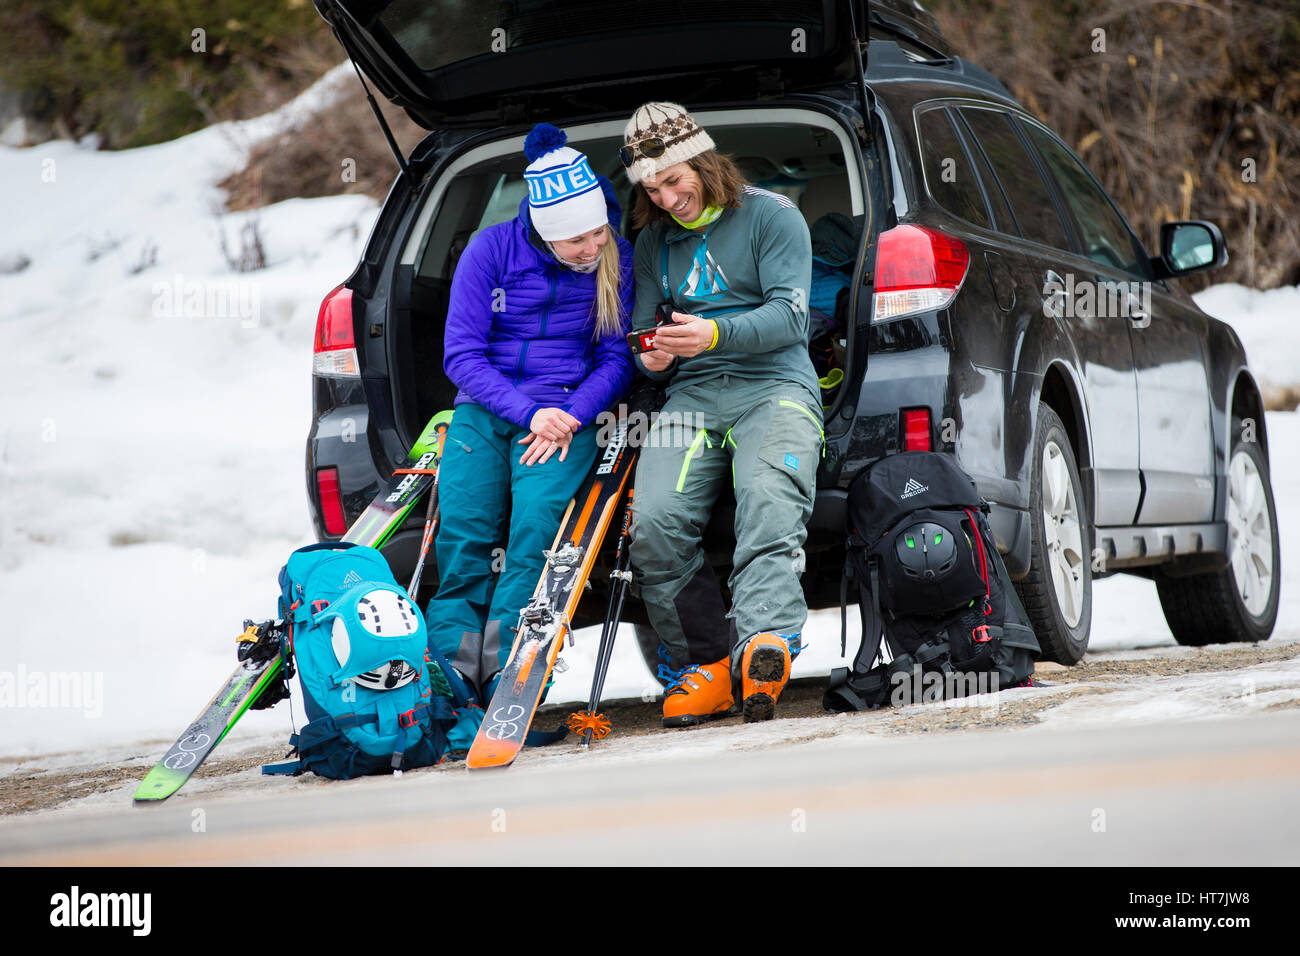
x: 642, y: 340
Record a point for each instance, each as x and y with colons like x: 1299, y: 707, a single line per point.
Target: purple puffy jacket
x: 520, y: 327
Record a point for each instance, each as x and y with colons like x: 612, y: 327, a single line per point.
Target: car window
x: 473, y: 199
x: 949, y: 174
x: 1105, y: 236
x: 503, y: 204
x: 1003, y: 221
x: 1022, y: 185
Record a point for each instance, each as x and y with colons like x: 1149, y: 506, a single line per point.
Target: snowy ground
x: 151, y: 444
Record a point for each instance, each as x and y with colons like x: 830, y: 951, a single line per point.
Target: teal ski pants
x: 497, y: 517
x: 765, y: 437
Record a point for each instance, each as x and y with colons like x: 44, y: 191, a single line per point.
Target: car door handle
x: 1127, y: 304
x: 1139, y: 315
x: 1053, y: 294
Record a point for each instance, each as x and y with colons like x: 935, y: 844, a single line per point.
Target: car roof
x: 904, y: 78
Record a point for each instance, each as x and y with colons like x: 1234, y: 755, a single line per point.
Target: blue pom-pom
x: 543, y: 138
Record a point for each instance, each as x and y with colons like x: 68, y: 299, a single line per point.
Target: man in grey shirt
x: 734, y: 262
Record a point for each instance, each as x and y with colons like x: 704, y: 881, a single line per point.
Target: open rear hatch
x: 459, y: 62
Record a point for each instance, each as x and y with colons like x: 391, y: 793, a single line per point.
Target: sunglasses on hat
x: 652, y: 147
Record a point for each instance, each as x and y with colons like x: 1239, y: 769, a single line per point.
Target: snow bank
x: 1268, y: 323
x: 155, y: 407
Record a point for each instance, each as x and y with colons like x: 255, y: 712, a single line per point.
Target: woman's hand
x: 553, y: 424
x: 541, y: 449
x: 688, y: 335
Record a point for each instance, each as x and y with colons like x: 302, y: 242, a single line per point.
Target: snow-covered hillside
x: 151, y: 437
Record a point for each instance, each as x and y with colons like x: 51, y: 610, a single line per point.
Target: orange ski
x: 545, y: 622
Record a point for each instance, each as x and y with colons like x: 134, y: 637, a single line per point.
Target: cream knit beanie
x: 683, y: 138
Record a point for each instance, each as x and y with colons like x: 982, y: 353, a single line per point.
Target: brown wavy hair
x: 721, y: 182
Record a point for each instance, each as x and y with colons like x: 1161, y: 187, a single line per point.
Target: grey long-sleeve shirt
x: 750, y: 271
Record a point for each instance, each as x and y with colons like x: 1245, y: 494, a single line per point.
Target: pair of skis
x: 543, y: 624
x: 260, y: 659
x: 547, y: 620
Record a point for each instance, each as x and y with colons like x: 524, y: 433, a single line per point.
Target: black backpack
x: 930, y: 583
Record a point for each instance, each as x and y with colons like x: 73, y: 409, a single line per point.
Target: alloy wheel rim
x: 1250, y: 535
x: 1063, y: 535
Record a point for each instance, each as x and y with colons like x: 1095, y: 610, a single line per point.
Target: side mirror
x: 1187, y: 247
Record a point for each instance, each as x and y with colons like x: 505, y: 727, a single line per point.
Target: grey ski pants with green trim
x: 766, y: 438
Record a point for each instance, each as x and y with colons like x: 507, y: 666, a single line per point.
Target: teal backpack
x: 374, y: 702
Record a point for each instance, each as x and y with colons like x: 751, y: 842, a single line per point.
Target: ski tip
x: 156, y: 787
x: 140, y: 798
x: 491, y: 760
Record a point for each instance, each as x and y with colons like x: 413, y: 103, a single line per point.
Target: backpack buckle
x: 408, y: 719
x: 977, y: 631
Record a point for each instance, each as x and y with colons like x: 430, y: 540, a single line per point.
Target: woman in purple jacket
x: 535, y: 341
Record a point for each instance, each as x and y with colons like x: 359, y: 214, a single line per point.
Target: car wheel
x: 648, y: 642
x: 1238, y: 603
x: 1057, y: 591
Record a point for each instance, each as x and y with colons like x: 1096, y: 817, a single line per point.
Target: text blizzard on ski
x: 208, y: 299
x: 102, y: 909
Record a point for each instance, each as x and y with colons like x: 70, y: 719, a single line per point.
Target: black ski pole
x: 591, y: 723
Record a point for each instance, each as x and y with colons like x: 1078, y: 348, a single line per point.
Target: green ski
x: 263, y: 661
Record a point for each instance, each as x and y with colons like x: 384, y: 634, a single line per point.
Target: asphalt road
x: 1203, y: 792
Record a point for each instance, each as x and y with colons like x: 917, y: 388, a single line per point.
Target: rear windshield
x: 437, y: 33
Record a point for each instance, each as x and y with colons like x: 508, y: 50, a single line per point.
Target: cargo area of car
x: 803, y: 154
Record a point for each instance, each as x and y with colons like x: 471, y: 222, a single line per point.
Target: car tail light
x: 335, y: 350
x: 917, y: 270
x: 331, y: 500
x: 916, y: 429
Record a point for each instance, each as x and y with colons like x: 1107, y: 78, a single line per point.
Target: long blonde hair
x: 608, y: 305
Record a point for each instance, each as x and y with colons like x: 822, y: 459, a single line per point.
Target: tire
x: 648, y: 642
x: 1239, y: 603
x: 1057, y: 591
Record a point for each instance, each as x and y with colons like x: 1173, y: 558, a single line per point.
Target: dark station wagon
x: 997, y: 305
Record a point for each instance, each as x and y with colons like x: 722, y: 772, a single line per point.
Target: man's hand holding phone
x: 688, y: 335
x: 676, y: 334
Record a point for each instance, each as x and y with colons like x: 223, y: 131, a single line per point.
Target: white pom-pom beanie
x: 564, y: 197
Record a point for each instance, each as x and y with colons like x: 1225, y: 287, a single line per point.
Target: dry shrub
x: 1280, y: 398
x: 146, y: 73
x: 339, y: 149
x: 1191, y: 110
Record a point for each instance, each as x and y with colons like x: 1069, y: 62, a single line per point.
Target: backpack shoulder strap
x: 873, y: 631
x: 459, y: 692
x: 663, y: 264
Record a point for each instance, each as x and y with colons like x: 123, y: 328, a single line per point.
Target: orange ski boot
x: 697, y: 693
x: 764, y: 670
